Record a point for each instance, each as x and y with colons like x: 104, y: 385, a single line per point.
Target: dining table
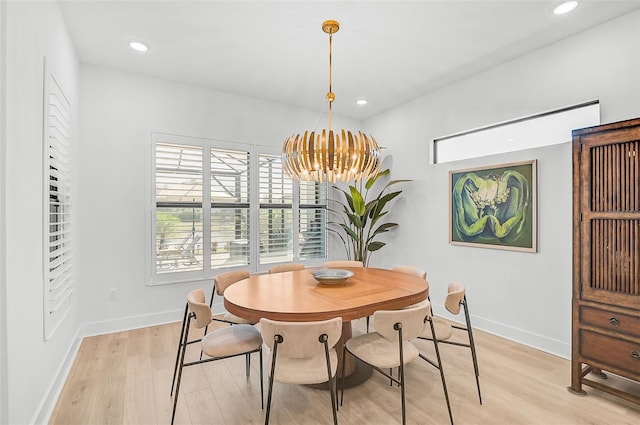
x: 296, y: 296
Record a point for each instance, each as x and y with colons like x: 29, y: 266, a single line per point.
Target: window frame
x: 208, y: 271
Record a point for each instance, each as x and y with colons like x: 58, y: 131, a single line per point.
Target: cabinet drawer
x: 612, y: 321
x: 618, y: 353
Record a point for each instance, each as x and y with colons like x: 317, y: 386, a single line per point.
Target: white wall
x: 119, y: 112
x: 523, y: 296
x: 3, y: 276
x: 33, y: 30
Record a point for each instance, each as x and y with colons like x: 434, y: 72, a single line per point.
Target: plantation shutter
x: 178, y: 194
x: 58, y: 255
x: 230, y: 236
x: 276, y: 211
x: 312, y: 217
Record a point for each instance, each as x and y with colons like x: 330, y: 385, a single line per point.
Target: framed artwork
x: 494, y: 206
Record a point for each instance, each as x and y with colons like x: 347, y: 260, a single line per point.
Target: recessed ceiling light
x: 565, y: 7
x: 138, y: 46
x: 361, y: 102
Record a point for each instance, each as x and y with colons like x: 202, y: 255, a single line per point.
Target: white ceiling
x: 386, y: 51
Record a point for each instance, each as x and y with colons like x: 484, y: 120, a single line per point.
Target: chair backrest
x: 197, y: 305
x: 414, y: 271
x: 300, y: 339
x: 455, y: 295
x: 286, y: 267
x: 412, y: 320
x: 224, y: 280
x: 343, y: 263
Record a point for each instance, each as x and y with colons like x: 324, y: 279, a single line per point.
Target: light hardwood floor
x: 125, y: 378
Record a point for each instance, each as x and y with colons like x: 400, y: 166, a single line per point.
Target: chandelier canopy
x: 325, y: 155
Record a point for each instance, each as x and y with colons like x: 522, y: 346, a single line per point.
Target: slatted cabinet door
x: 610, y: 218
x: 606, y: 257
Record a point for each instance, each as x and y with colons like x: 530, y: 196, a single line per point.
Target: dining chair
x: 390, y: 346
x: 220, y: 283
x: 303, y: 353
x: 413, y: 271
x: 219, y: 344
x: 289, y: 267
x: 444, y: 330
x: 343, y: 263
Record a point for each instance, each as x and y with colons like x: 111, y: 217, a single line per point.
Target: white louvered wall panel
x: 58, y: 252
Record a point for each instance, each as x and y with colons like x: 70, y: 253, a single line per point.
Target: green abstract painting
x: 494, y: 207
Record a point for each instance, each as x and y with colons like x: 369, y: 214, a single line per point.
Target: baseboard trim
x: 521, y: 336
x: 48, y: 403
x: 130, y: 323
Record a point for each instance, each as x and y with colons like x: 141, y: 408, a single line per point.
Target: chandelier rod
x: 330, y: 95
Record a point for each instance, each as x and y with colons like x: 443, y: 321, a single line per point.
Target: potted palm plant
x: 359, y: 217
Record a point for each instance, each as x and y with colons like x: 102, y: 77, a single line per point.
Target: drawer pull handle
x: 614, y: 322
x: 635, y: 355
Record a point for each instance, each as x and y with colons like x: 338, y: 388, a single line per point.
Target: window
x: 211, y: 213
x: 178, y: 211
x: 58, y: 256
x: 544, y: 129
x: 230, y: 208
x: 276, y: 211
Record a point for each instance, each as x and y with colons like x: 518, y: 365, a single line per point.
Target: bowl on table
x: 332, y: 276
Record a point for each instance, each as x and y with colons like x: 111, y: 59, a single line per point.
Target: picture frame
x: 494, y: 206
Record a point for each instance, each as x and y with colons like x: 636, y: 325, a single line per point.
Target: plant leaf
x: 382, y: 202
x: 355, y: 220
x: 372, y: 180
x: 350, y: 232
x: 384, y: 227
x: 392, y: 182
x: 378, y: 217
x: 374, y: 246
x: 358, y: 201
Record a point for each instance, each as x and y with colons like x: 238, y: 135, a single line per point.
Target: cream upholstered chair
x: 390, y: 346
x: 302, y: 353
x: 456, y: 297
x: 289, y: 267
x: 414, y: 271
x: 230, y: 341
x: 343, y: 263
x: 220, y: 283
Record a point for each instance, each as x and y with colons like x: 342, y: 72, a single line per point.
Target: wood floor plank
x: 125, y: 378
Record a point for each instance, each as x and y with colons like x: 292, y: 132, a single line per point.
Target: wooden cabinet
x: 606, y: 257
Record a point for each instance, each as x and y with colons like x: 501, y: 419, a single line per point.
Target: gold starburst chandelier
x: 326, y: 155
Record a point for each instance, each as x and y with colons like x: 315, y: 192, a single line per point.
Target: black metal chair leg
x: 261, y: 381
x: 182, y: 338
x: 273, y: 369
x: 472, y: 346
x: 183, y: 351
x: 344, y: 357
x: 444, y: 383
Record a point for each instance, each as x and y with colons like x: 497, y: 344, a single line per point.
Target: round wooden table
x: 297, y: 297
